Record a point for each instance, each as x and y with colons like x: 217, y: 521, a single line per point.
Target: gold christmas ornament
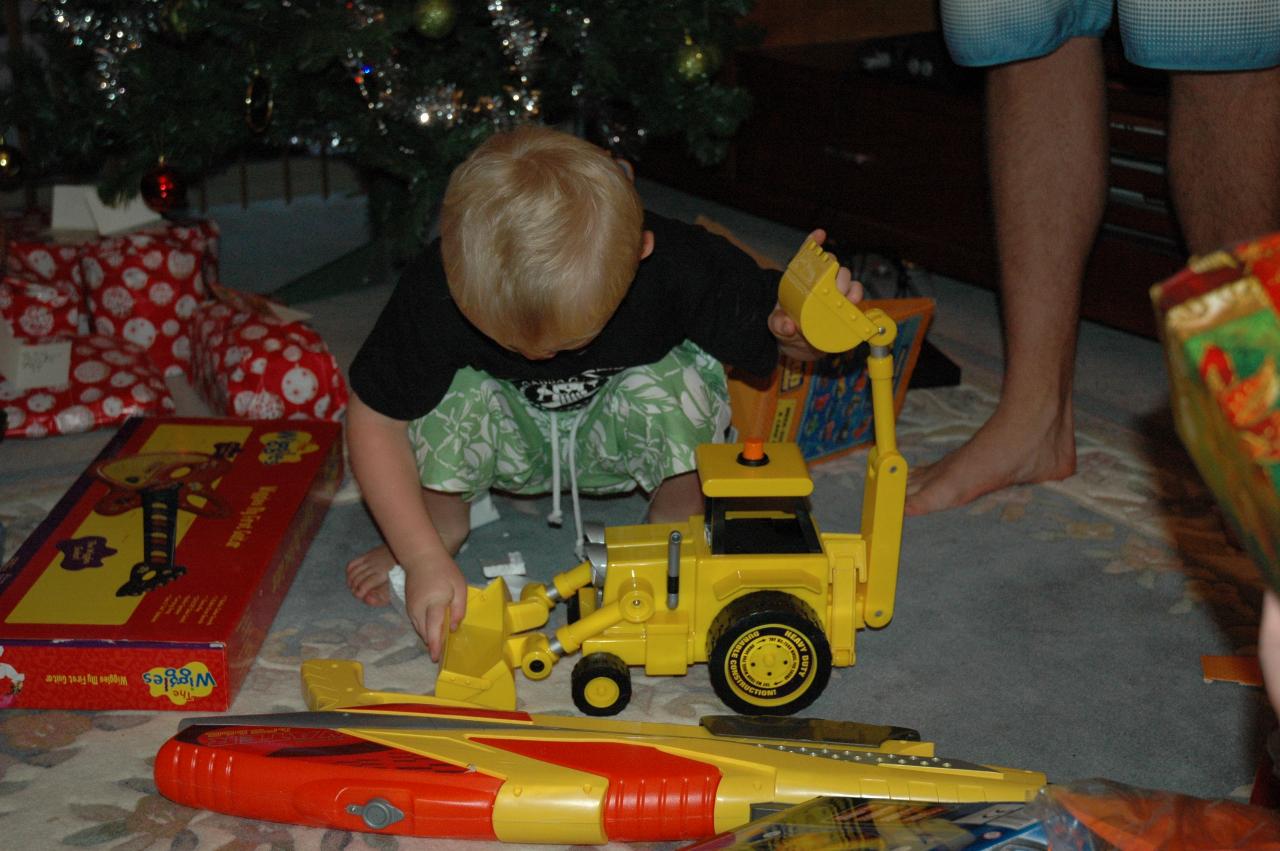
x: 434, y: 18
x: 695, y: 63
x: 10, y: 166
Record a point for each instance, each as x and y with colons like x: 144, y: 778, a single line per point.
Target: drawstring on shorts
x: 556, y: 517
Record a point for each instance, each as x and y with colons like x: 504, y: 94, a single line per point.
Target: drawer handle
x: 846, y: 155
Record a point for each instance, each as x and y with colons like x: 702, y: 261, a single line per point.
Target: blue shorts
x: 1176, y: 35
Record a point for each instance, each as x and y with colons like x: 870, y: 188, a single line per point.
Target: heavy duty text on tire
x: 767, y: 654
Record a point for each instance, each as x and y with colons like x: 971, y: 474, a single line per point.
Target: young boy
x: 554, y: 322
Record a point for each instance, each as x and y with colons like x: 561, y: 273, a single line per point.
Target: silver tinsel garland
x: 384, y: 87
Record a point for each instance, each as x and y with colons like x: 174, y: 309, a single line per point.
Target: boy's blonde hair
x: 541, y: 233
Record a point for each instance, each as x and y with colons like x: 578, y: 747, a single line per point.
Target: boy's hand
x: 433, y: 590
x: 790, y: 341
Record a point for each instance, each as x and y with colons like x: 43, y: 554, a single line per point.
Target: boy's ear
x: 646, y: 244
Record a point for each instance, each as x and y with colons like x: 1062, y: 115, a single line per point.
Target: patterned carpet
x: 1054, y: 627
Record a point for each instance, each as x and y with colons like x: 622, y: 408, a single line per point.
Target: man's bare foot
x: 367, y: 576
x: 1002, y: 453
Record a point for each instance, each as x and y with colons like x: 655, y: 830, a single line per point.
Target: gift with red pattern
x: 251, y: 361
x: 37, y: 309
x: 30, y: 251
x: 144, y: 288
x: 201, y: 237
x: 1220, y: 324
x: 109, y: 382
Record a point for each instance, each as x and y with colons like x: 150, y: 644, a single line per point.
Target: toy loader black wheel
x: 601, y: 684
x: 767, y: 654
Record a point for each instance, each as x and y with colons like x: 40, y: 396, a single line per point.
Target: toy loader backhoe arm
x: 828, y: 320
x: 831, y: 323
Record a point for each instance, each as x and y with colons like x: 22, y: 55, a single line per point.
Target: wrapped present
x: 1219, y: 320
x: 31, y: 251
x: 110, y: 381
x: 36, y: 309
x: 254, y: 359
x: 144, y: 288
x: 201, y: 237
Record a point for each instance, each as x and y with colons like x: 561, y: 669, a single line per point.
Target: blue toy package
x: 824, y: 406
x: 833, y: 824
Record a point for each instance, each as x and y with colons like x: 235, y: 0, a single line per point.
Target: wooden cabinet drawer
x: 897, y: 165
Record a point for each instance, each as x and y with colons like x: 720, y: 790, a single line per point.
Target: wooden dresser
x: 881, y: 142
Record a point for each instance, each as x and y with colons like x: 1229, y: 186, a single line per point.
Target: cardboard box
x: 153, y: 582
x: 1219, y: 321
x: 825, y: 406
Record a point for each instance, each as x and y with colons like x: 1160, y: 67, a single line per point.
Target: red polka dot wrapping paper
x: 43, y: 260
x: 144, y: 288
x: 110, y: 381
x: 37, y: 309
x: 201, y: 237
x: 249, y: 362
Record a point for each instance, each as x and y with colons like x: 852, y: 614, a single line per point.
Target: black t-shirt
x: 693, y: 286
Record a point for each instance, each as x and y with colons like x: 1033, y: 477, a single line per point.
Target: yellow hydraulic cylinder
x: 634, y: 604
x: 568, y: 583
x: 883, y: 496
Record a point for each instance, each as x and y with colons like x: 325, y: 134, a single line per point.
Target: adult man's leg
x: 1224, y: 155
x: 1047, y: 148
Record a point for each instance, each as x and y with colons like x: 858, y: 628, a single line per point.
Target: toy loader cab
x: 753, y: 587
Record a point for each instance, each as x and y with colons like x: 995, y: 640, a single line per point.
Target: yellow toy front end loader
x: 752, y: 587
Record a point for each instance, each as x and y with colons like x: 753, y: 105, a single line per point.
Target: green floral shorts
x: 640, y: 428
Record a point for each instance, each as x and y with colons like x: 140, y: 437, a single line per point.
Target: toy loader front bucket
x: 474, y: 666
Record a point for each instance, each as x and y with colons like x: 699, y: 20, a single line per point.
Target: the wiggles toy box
x: 153, y: 582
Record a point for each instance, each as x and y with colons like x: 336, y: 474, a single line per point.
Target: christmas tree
x: 148, y: 95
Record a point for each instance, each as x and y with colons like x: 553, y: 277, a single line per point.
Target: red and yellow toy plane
x: 423, y: 766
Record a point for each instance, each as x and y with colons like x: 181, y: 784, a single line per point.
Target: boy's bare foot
x: 676, y: 499
x: 1005, y: 451
x: 367, y: 576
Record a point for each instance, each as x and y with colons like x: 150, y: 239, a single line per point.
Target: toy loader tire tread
x: 765, y: 620
x: 596, y: 670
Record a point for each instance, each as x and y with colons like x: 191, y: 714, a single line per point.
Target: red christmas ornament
x: 163, y: 190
